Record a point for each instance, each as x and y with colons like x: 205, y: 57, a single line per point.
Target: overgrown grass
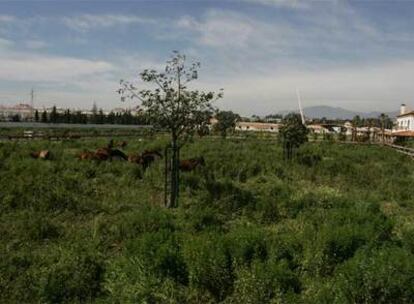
x: 332, y: 226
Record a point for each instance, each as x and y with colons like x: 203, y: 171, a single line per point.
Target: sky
x: 358, y: 55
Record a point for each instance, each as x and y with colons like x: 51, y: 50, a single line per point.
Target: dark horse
x: 191, y: 164
x: 109, y: 154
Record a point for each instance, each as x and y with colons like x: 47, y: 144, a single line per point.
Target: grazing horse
x: 120, y: 144
x: 109, y: 154
x: 145, y: 159
x: 86, y: 155
x: 103, y: 154
x: 118, y: 155
x: 42, y: 154
x: 191, y: 164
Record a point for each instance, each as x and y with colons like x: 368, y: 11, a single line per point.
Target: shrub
x: 39, y: 227
x: 343, y: 231
x: 75, y: 278
x: 265, y: 282
x: 229, y: 196
x: 209, y: 265
x: 375, y: 276
x: 246, y: 243
x: 160, y: 253
x: 308, y: 156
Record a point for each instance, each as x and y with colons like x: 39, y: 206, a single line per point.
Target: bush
x: 229, y: 196
x: 265, y: 283
x: 160, y: 253
x: 209, y: 265
x: 377, y: 276
x: 308, y: 156
x: 341, y: 234
x: 246, y: 243
x: 75, y: 278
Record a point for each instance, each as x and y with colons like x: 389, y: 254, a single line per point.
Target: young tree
x: 226, y: 120
x: 67, y: 116
x: 54, y: 115
x: 293, y: 134
x: 15, y: 118
x: 94, y: 111
x: 36, y: 116
x: 172, y: 105
x: 110, y: 118
x: 43, y: 118
x: 100, y: 119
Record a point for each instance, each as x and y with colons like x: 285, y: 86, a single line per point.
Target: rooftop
x: 406, y: 114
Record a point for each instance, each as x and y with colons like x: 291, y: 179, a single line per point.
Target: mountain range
x: 337, y: 113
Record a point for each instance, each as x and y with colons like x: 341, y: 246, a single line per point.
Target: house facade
x: 257, y: 126
x: 405, y: 121
x: 24, y: 111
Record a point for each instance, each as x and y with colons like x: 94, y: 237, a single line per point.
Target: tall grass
x: 250, y: 228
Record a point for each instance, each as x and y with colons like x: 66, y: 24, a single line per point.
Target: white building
x: 257, y: 126
x: 318, y: 129
x: 405, y: 121
x: 24, y: 111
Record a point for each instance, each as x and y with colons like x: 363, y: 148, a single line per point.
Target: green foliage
x: 333, y: 226
x: 293, y: 134
x: 74, y: 278
x: 382, y: 275
x: 226, y: 120
x: 172, y: 106
x: 265, y: 282
x: 209, y: 265
x: 308, y: 156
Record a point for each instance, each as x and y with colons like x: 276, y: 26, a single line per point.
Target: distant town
x: 400, y: 127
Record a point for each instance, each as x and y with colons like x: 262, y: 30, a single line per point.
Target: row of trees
x: 97, y: 117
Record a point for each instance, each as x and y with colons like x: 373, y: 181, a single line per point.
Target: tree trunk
x: 174, y: 174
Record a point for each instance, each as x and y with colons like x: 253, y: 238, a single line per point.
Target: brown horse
x: 191, y: 164
x: 86, y: 155
x: 42, y: 154
x: 120, y: 144
x: 145, y: 159
x: 103, y: 154
x: 134, y: 158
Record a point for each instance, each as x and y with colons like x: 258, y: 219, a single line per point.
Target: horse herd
x: 110, y: 152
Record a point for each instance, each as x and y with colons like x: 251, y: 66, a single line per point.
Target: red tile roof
x: 403, y: 133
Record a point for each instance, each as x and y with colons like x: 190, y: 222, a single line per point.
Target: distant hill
x: 337, y: 113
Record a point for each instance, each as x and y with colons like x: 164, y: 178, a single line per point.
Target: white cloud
x: 220, y: 30
x: 7, y: 18
x: 35, y: 68
x: 36, y: 44
x: 293, y: 4
x: 88, y: 22
x: 5, y: 43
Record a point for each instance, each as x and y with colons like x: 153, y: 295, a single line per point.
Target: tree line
x: 97, y: 117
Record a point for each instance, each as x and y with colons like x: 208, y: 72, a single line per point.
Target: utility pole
x: 32, y: 104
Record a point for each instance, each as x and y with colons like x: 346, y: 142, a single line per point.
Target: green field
x: 333, y: 226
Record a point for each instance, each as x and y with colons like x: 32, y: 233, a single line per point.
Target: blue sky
x: 353, y: 54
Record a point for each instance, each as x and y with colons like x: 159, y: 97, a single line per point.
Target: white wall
x: 405, y: 123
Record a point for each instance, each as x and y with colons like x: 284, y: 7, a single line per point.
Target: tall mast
x: 300, y: 106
